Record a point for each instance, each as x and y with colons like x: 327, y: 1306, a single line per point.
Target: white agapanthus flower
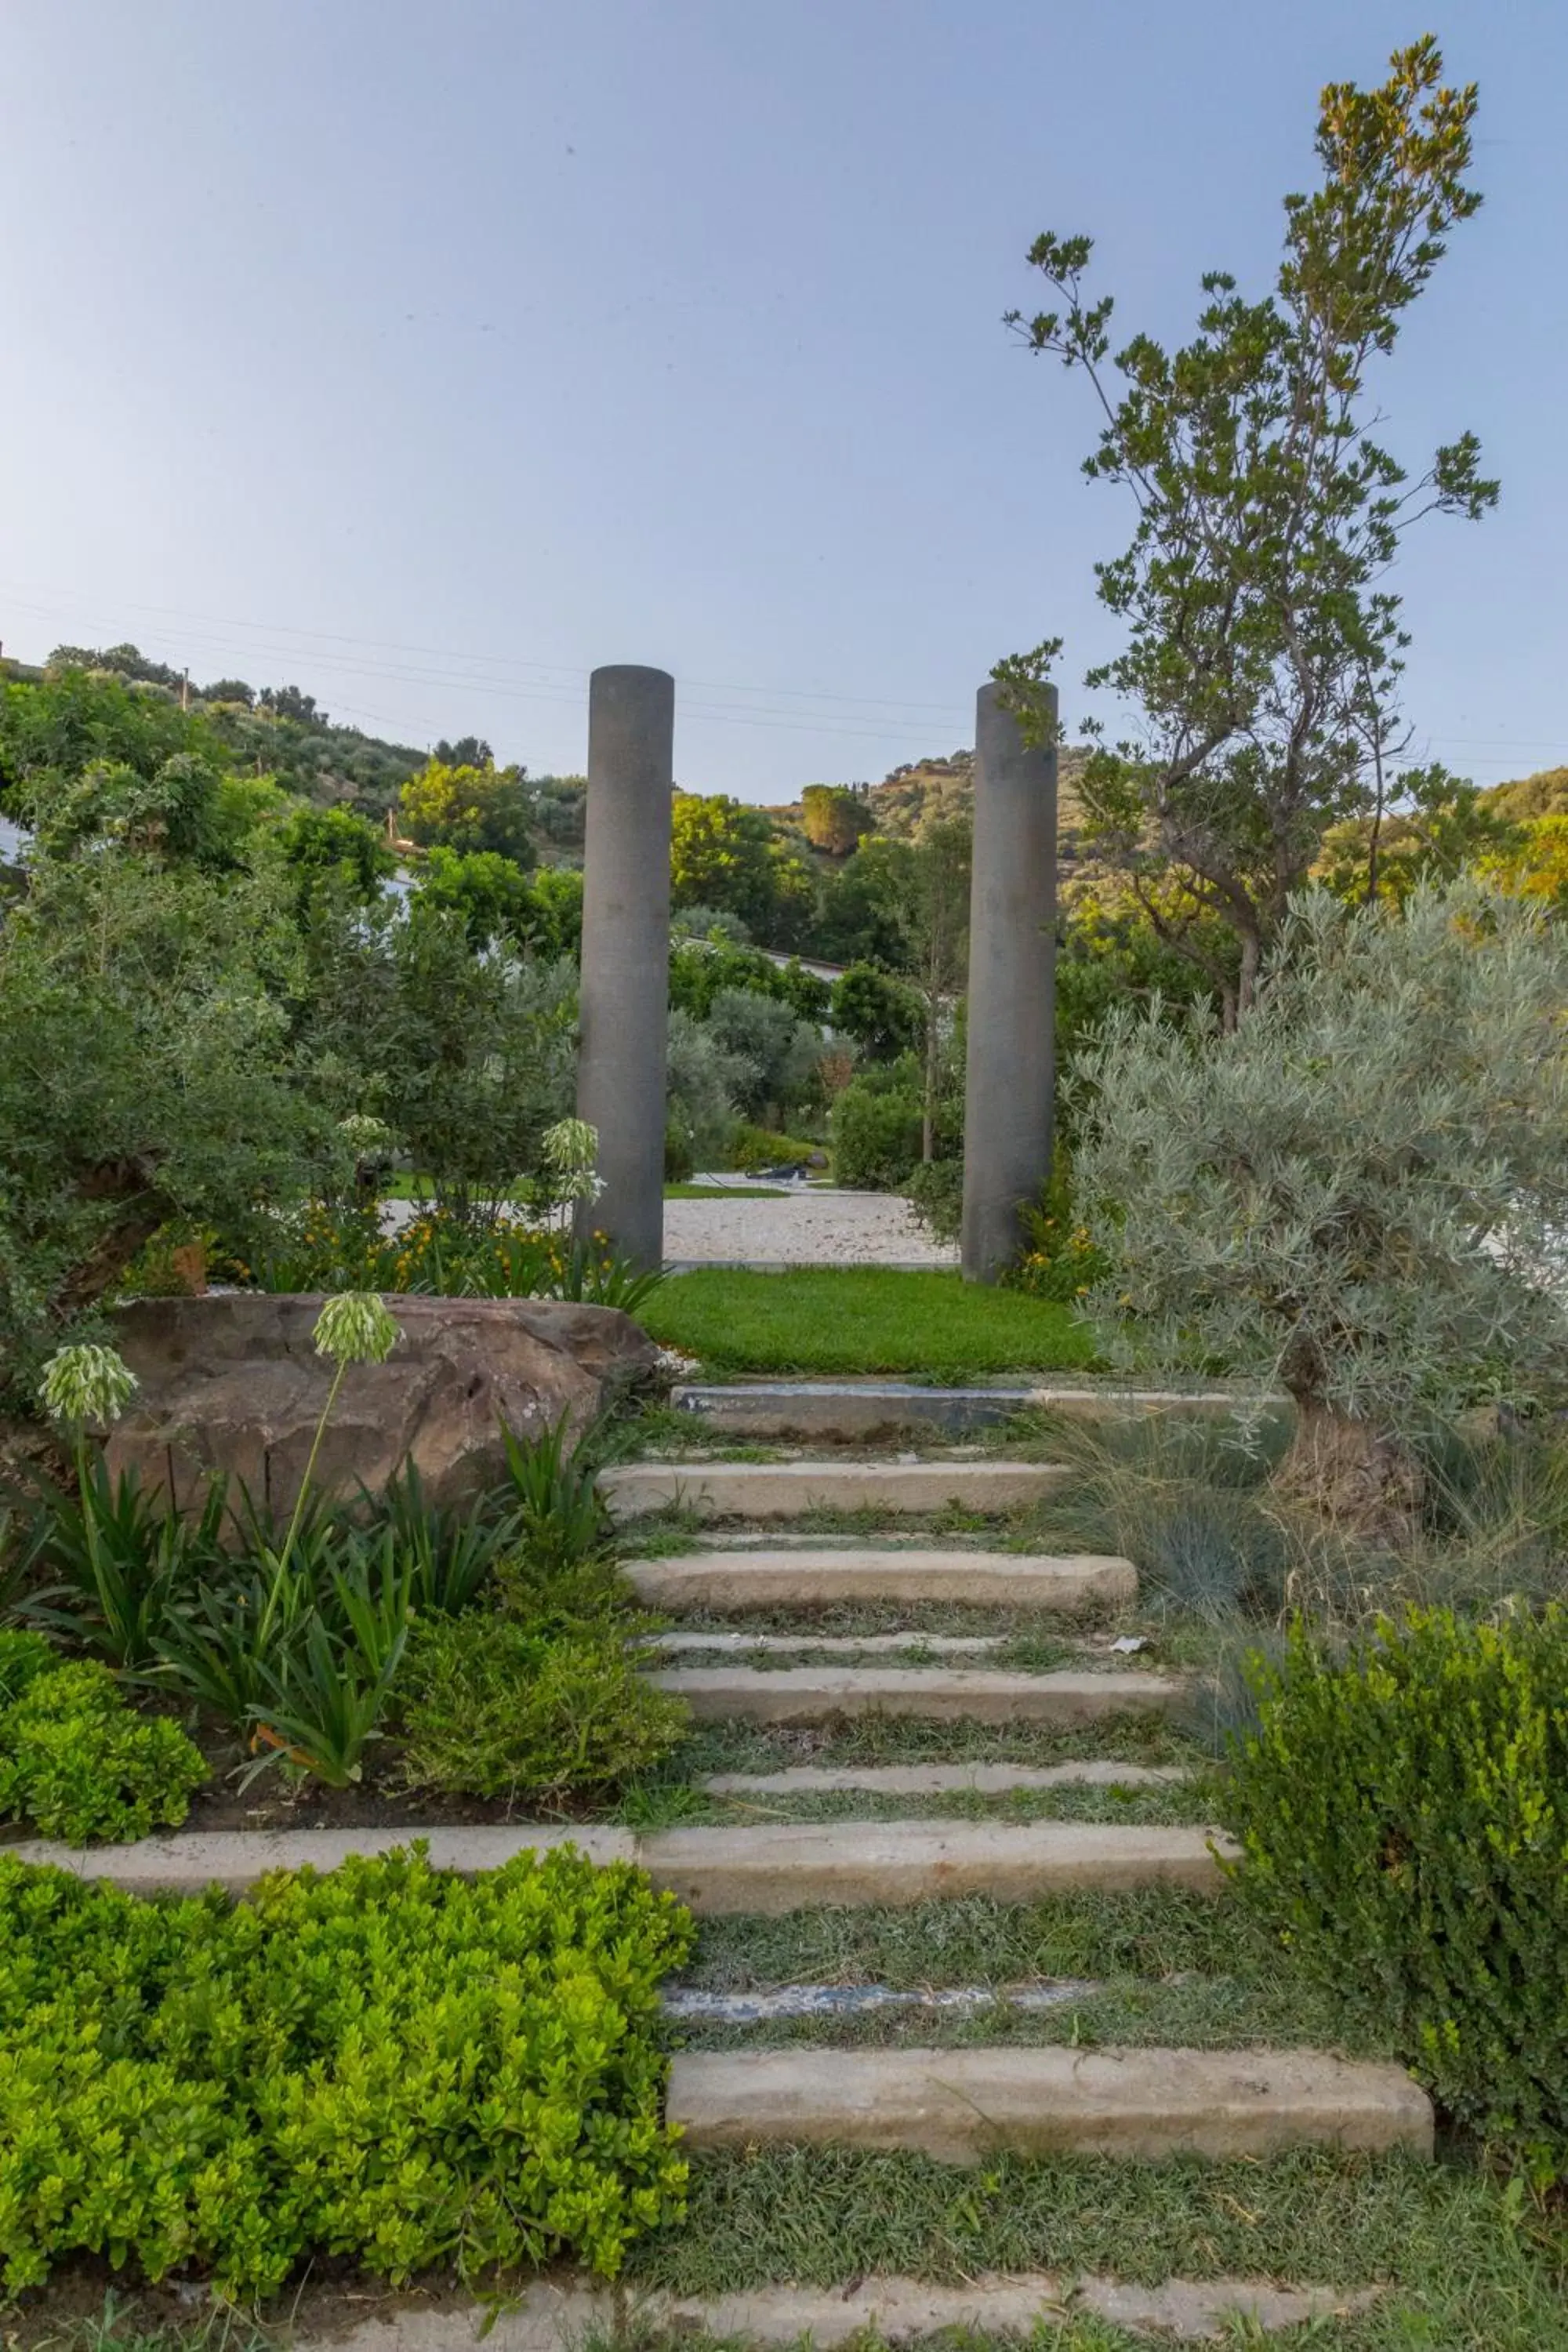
x: 354, y: 1328
x: 85, y: 1382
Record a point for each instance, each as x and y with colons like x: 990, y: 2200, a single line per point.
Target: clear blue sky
x: 429, y: 356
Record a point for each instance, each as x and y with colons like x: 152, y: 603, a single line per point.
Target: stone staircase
x: 750, y: 1595
x: 909, y: 1725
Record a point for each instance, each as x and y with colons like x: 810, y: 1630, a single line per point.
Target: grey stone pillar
x: 625, y: 996
x: 1009, y: 1071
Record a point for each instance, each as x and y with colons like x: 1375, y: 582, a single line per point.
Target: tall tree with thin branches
x: 1263, y: 649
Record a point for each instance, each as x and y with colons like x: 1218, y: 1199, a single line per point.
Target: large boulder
x: 231, y: 1383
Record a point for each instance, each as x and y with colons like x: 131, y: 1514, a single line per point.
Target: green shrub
x: 497, y: 1709
x: 387, y: 2065
x: 22, y: 1658
x: 80, y: 1764
x: 1405, y: 1820
x: 877, y: 1131
x: 936, y: 1195
x: 1060, y: 1259
x: 754, y: 1148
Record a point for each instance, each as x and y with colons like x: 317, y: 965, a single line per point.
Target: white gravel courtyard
x: 813, y: 1225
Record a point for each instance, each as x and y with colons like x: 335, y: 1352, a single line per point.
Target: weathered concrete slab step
x: 854, y: 1411
x: 939, y: 1779
x: 810, y: 1695
x: 190, y: 1860
x: 782, y: 1490
x: 775, y: 1867
x: 772, y: 1868
x: 793, y: 1577
x: 961, y: 2106
x: 830, y: 1646
x: 559, y: 2312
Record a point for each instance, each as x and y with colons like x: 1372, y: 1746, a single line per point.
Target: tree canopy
x: 1262, y: 647
x: 470, y: 808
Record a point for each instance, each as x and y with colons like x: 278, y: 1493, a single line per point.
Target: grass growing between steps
x: 826, y: 1320
x: 837, y: 1618
x: 906, y: 1739
x: 1468, y: 2266
x: 1179, y: 1804
x: 679, y: 1528
x: 1151, y: 1933
x: 1199, y: 2013
x: 1170, y: 1969
x: 1017, y: 1654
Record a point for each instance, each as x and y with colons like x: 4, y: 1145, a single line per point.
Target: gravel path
x: 810, y: 1226
x: 815, y: 1227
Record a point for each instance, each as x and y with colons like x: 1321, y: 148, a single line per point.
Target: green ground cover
x: 725, y: 1192
x: 847, y: 1320
x: 1465, y: 2265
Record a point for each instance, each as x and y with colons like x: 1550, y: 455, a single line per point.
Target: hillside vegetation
x: 282, y: 732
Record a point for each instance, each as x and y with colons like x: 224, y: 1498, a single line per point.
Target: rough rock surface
x: 232, y: 1382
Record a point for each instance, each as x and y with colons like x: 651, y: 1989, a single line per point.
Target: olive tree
x: 1361, y: 1191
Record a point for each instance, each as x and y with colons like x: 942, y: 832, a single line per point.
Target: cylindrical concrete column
x: 624, y: 994
x: 1009, y: 1071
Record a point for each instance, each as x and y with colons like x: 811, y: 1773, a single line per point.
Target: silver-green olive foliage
x: 1360, y: 1192
x: 1263, y: 649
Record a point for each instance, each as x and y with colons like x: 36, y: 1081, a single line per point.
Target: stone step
x: 828, y: 1645
x: 782, y: 1490
x: 792, y: 1578
x: 815, y: 1695
x: 777, y: 1867
x: 566, y: 2308
x: 939, y: 1779
x: 772, y: 1868
x: 963, y: 2106
x: 853, y: 1411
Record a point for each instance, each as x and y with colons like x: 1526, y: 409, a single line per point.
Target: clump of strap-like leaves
x: 1359, y: 1194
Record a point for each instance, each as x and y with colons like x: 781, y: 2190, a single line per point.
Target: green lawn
x: 725, y: 1192
x: 863, y: 1319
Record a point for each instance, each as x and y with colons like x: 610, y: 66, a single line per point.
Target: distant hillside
x: 279, y: 731
x: 928, y: 791
x: 1542, y: 794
